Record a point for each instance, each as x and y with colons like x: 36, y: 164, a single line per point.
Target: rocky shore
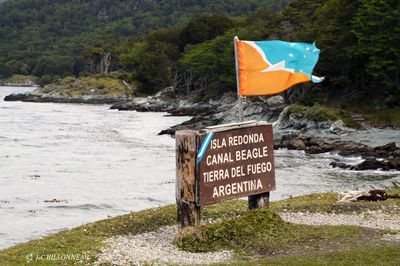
x: 88, y: 90
x: 205, y: 113
x: 43, y: 98
x: 292, y: 132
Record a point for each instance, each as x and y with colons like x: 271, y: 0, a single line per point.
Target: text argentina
x: 237, y: 188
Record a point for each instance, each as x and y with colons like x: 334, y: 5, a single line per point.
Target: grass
x: 257, y: 237
x: 327, y: 203
x: 385, y: 118
x: 357, y: 255
x: 264, y: 233
x: 320, y: 113
x: 20, y: 79
x: 92, y: 85
x: 88, y: 238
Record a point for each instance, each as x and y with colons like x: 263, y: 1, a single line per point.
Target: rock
x: 297, y: 144
x: 390, y: 147
x: 338, y: 127
x: 55, y: 98
x: 195, y: 123
x: 335, y: 164
x: 166, y: 93
x: 275, y: 105
x: 284, y: 121
x: 372, y: 195
x: 372, y: 164
x: 275, y: 101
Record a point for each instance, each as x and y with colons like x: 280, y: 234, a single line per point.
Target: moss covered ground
x: 91, y: 85
x: 20, y: 80
x: 258, y: 237
x: 321, y: 113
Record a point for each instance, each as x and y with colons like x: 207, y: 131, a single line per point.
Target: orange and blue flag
x: 270, y: 67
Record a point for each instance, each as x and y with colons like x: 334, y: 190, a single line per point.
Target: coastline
x: 290, y: 132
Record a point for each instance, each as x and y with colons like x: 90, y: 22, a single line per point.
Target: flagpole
x: 240, y: 98
x: 259, y: 200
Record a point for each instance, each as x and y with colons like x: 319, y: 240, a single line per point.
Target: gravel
x: 154, y: 248
x: 372, y: 219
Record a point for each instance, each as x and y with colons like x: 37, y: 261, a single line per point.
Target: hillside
x: 53, y: 37
x: 188, y: 45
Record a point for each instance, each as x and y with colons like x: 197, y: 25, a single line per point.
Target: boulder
x: 335, y: 164
x: 275, y: 103
x: 372, y: 195
x: 297, y: 144
x: 372, y: 164
x: 338, y: 128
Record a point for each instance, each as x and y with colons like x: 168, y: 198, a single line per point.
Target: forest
x: 189, y: 44
x: 59, y: 37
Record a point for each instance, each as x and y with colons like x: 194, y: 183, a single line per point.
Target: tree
x: 332, y: 28
x: 205, y: 28
x: 54, y: 65
x: 155, y: 70
x: 14, y: 67
x: 377, y: 27
x: 214, y: 59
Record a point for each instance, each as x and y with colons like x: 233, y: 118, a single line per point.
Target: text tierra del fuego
x: 236, y: 163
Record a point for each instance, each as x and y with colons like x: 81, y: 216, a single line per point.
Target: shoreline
x: 313, y: 137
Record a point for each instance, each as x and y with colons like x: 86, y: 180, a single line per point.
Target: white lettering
x: 236, y: 188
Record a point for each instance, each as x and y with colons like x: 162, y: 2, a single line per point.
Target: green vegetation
x: 263, y: 233
x: 257, y: 237
x: 327, y: 203
x: 189, y: 45
x: 94, y: 85
x: 320, y: 113
x: 87, y: 239
x: 20, y: 79
x: 61, y: 38
x: 364, y: 255
x: 388, y: 117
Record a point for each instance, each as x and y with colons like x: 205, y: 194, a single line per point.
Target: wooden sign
x: 222, y: 163
x: 235, y: 163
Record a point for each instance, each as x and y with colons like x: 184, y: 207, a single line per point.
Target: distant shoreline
x: 20, y: 85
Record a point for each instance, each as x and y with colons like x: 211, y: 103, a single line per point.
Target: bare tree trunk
x: 175, y: 79
x: 203, y: 83
x: 188, y: 77
x: 105, y: 63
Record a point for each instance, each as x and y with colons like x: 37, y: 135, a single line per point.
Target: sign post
x: 186, y: 150
x: 222, y: 163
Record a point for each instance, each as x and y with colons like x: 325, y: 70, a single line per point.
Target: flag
x: 270, y: 67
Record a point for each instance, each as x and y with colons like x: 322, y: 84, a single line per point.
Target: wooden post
x: 186, y: 150
x: 258, y: 201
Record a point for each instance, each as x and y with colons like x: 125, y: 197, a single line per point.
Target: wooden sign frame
x: 235, y: 158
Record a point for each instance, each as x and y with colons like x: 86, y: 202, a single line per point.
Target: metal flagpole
x: 240, y: 98
x: 260, y: 200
